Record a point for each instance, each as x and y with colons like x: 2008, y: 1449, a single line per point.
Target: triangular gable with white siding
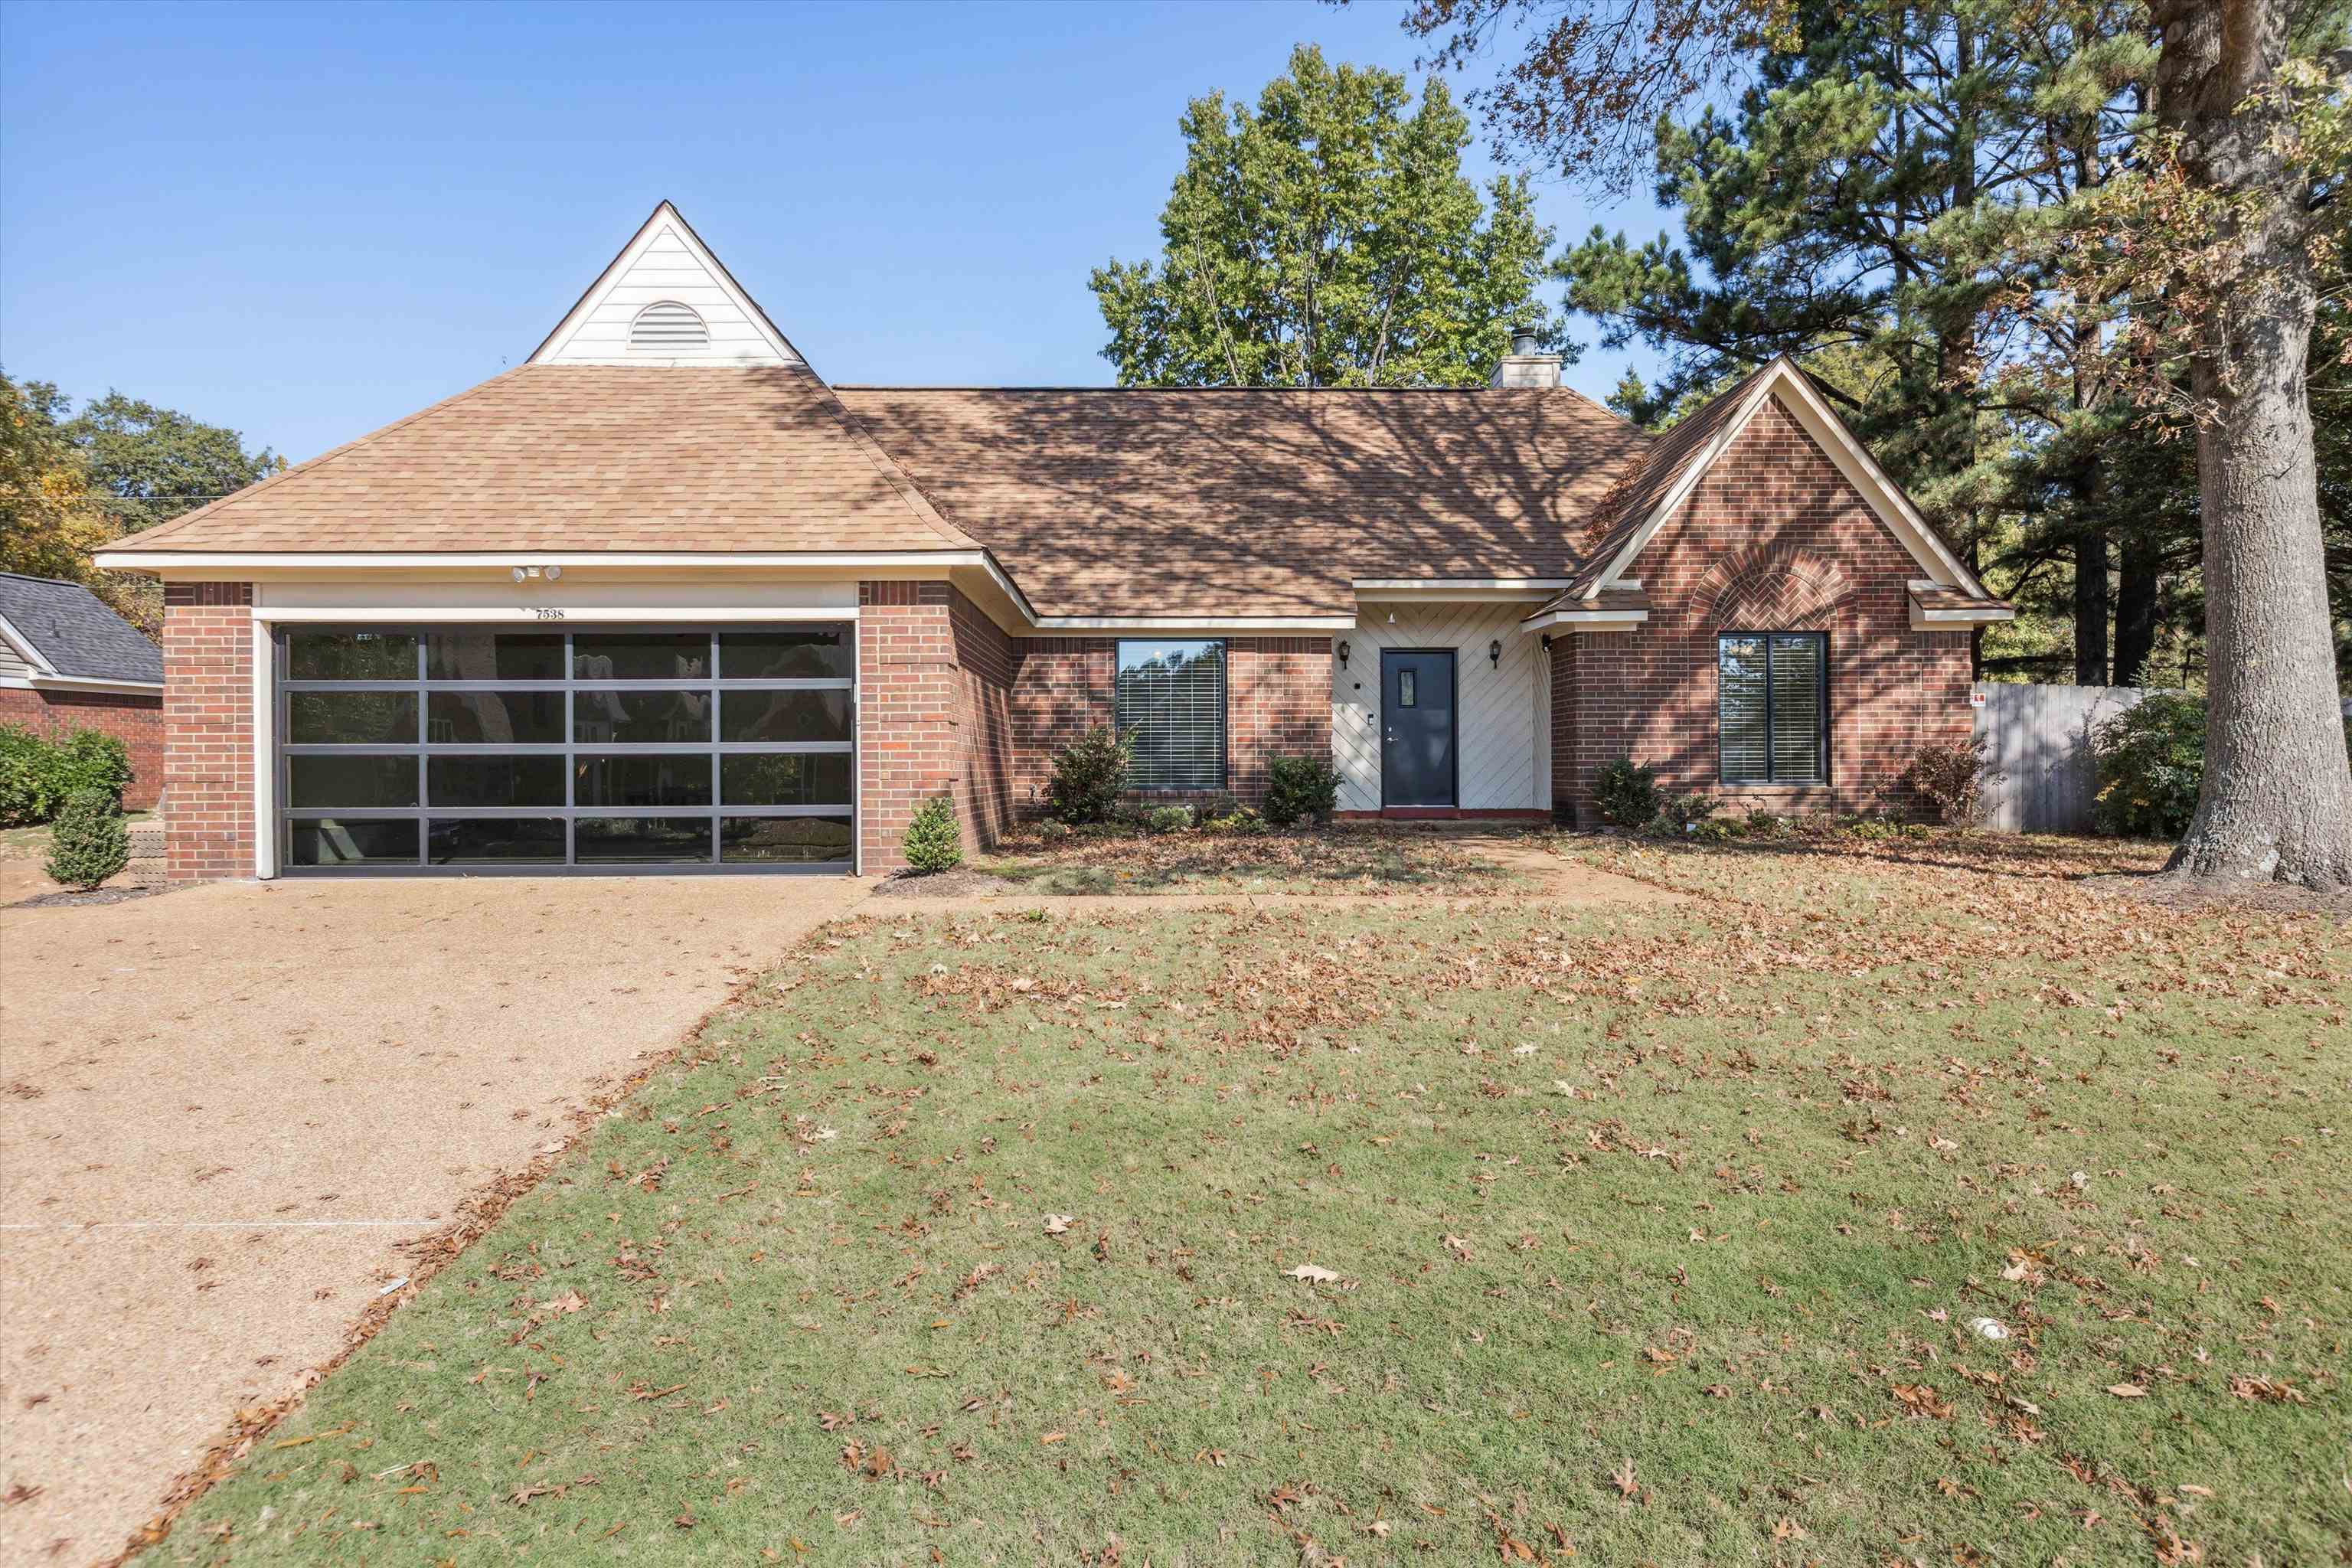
x: 665, y: 300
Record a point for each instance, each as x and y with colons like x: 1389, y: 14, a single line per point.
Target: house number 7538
x: 547, y: 615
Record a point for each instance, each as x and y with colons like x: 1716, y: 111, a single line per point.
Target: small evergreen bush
x: 1052, y: 830
x: 1952, y: 778
x: 1171, y: 819
x: 1625, y: 793
x: 932, y: 842
x: 1679, y: 812
x: 1299, y: 789
x: 1088, y: 775
x: 89, y: 843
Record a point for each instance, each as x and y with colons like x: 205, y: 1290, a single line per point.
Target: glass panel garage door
x: 480, y: 750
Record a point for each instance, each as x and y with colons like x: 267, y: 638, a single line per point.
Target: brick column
x: 208, y: 824
x: 907, y: 700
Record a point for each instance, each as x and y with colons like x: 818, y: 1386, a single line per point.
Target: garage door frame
x: 717, y: 683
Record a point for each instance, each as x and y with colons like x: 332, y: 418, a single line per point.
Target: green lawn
x: 1655, y: 1235
x: 1354, y: 861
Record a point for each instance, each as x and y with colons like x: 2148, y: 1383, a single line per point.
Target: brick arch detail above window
x: 1777, y: 587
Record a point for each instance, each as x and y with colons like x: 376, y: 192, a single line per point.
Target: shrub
x: 1169, y: 819
x: 1762, y: 824
x: 1678, y: 813
x: 1088, y: 775
x: 1715, y: 830
x: 1625, y: 793
x: 1241, y: 819
x: 1299, y: 788
x: 932, y: 842
x: 2150, y: 760
x: 1952, y: 777
x: 1052, y: 830
x: 89, y: 843
x: 39, y: 772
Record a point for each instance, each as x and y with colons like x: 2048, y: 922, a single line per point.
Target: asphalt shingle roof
x: 75, y: 632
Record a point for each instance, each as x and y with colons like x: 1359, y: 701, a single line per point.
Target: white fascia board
x: 1957, y: 620
x: 1252, y: 625
x: 1587, y: 620
x: 25, y: 648
x: 94, y: 683
x: 1850, y: 457
x: 412, y: 561
x: 1375, y: 589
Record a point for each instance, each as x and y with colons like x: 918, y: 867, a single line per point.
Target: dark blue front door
x: 1416, y: 728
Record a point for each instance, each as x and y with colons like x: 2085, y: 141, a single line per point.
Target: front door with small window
x: 1417, y: 740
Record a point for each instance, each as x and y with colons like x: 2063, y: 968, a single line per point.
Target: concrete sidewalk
x: 225, y: 1108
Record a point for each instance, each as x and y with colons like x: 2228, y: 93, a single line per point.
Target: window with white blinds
x: 1773, y: 706
x: 1171, y: 706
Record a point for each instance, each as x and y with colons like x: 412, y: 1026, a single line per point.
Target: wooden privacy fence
x: 2040, y: 738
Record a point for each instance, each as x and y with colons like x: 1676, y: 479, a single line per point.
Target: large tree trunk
x: 2277, y: 797
x: 2276, y: 804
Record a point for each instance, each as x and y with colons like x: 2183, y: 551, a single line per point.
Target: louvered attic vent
x: 666, y: 326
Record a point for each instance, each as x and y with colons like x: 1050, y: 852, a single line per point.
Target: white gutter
x: 95, y: 683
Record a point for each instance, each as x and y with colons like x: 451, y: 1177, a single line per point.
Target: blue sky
x: 306, y: 220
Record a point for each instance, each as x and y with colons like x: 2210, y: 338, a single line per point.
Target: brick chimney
x: 1523, y: 366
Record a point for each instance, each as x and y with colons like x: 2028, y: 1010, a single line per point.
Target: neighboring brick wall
x: 1773, y: 538
x: 137, y: 720
x: 208, y: 730
x: 1277, y: 703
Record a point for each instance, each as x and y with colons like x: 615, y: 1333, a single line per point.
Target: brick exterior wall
x: 908, y: 748
x: 1773, y: 538
x: 1277, y: 703
x: 135, y: 719
x: 986, y: 659
x: 208, y: 819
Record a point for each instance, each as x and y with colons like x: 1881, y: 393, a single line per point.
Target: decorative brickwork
x: 1772, y: 539
x: 135, y: 719
x: 208, y: 806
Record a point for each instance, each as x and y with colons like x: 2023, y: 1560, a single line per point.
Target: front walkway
x: 229, y: 1109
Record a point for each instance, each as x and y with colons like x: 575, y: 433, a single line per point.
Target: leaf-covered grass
x: 1333, y: 860
x: 1657, y: 1235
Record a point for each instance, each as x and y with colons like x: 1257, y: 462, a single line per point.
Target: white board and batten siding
x: 664, y: 265
x: 1502, y: 733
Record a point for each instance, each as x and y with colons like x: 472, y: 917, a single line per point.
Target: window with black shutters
x: 1171, y: 707
x: 1773, y: 707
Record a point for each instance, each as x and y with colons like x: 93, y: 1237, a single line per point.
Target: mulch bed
x: 937, y: 885
x: 68, y: 899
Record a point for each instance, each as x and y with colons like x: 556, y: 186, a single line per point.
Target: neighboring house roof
x: 1258, y: 501
x: 62, y: 629
x: 589, y: 458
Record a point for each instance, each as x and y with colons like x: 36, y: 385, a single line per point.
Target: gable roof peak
x: 665, y: 298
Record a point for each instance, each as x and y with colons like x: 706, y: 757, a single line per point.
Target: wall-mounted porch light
x: 1343, y: 654
x: 1495, y: 654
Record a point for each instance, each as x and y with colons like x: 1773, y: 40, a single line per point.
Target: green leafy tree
x: 50, y: 519
x: 156, y: 463
x: 1329, y: 238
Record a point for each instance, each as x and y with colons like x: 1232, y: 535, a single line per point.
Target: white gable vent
x: 667, y: 327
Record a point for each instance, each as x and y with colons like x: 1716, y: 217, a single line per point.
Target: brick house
x: 662, y: 598
x: 67, y: 663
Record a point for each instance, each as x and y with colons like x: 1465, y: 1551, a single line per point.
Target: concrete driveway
x: 222, y: 1110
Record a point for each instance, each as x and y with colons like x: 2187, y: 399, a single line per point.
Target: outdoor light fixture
x: 525, y: 574
x: 1495, y: 654
x: 520, y: 574
x: 1343, y: 654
